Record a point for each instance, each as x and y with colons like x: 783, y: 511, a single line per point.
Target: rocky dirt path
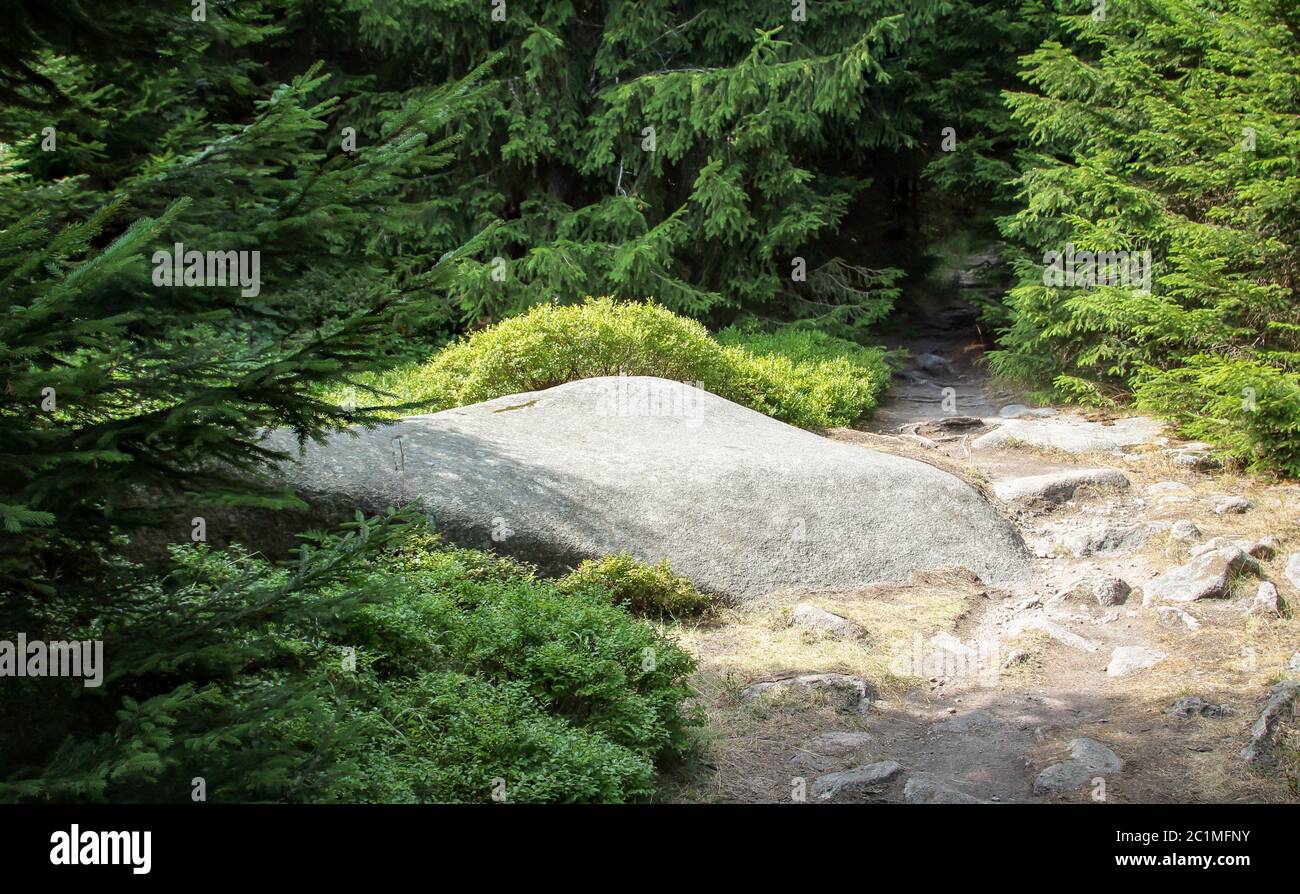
x: 1133, y: 668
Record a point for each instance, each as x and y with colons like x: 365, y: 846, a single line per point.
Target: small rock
x: 829, y: 749
x: 1126, y: 660
x: 1195, y: 461
x: 1058, y: 487
x: 1279, y: 708
x: 1256, y: 549
x: 1235, y: 505
x: 1088, y: 759
x: 919, y: 440
x: 859, y: 693
x: 1167, y: 613
x: 1265, y: 601
x: 945, y: 427
x: 1111, y: 538
x: 1110, y: 591
x: 1185, y: 531
x: 1017, y: 656
x: 1207, y: 576
x: 1194, y: 706
x: 1292, y: 570
x: 932, y: 363
x: 811, y: 617
x: 1167, y: 487
x: 857, y: 781
x: 1295, y: 662
x: 924, y: 790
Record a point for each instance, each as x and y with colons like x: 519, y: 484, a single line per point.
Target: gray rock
x: 933, y: 364
x: 1110, y: 591
x: 945, y: 427
x: 1171, y: 615
x: 920, y: 441
x: 1070, y: 434
x: 858, y: 781
x: 1161, y: 488
x: 1057, y: 487
x: 1207, y: 576
x: 1185, y: 531
x: 858, y: 693
x: 1011, y: 411
x: 1194, y: 460
x: 1126, y: 660
x: 1278, y: 709
x: 1194, y: 706
x: 813, y: 618
x: 1234, y: 505
x: 823, y: 752
x: 925, y: 790
x: 740, y: 503
x: 1089, y: 758
x: 1014, y: 657
x: 1295, y: 662
x: 1292, y: 570
x: 1265, y: 602
x: 1256, y: 549
x: 1111, y: 538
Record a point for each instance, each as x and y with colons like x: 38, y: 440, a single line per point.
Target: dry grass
x: 758, y: 642
x: 744, y: 756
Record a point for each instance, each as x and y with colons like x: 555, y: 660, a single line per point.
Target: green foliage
x: 804, y: 378
x: 653, y: 590
x: 117, y: 386
x: 1169, y: 126
x: 467, y: 669
x: 834, y: 382
x: 685, y: 151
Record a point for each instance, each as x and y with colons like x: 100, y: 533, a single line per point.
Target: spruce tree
x: 125, y: 398
x: 1168, y: 126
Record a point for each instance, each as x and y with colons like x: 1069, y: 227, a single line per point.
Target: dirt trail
x: 976, y: 691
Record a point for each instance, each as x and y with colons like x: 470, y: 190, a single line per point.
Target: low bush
x: 801, y: 377
x: 831, y: 380
x: 653, y: 590
x: 383, y: 667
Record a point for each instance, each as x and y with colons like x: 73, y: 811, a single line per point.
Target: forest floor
x: 974, y: 690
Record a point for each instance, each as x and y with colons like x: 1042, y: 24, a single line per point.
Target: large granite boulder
x: 740, y: 503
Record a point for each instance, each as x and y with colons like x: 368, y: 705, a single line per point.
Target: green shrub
x: 1249, y: 408
x: 837, y: 380
x: 382, y: 668
x: 804, y: 378
x: 653, y: 590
